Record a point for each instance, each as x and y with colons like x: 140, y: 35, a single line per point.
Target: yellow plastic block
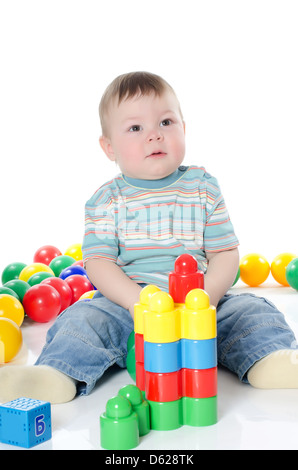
x: 198, y: 318
x: 162, y: 320
x: 141, y: 307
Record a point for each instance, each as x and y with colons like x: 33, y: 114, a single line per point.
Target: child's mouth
x: 157, y: 154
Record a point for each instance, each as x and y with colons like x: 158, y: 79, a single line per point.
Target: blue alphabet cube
x: 25, y: 422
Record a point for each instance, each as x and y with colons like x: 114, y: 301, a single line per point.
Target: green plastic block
x: 119, y: 425
x: 139, y: 406
x: 199, y: 411
x: 166, y: 416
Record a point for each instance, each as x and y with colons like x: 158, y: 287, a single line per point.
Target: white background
x: 233, y: 64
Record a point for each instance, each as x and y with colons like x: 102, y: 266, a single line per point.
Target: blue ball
x: 73, y: 269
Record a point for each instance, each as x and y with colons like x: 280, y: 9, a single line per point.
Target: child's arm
x: 221, y: 273
x: 113, y: 283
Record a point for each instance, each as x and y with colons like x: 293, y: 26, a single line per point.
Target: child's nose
x: 155, y: 135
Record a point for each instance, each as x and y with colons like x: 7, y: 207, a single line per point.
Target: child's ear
x: 106, y: 146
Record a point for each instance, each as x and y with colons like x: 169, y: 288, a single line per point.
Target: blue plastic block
x: 25, y: 422
x: 199, y: 354
x: 162, y: 357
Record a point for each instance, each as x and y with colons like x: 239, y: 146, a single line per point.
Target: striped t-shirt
x: 143, y: 225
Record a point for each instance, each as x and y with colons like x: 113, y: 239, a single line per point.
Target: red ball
x: 42, y: 303
x: 80, y: 262
x: 79, y: 285
x: 62, y: 288
x: 45, y: 254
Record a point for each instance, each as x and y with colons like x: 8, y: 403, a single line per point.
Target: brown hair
x: 127, y: 86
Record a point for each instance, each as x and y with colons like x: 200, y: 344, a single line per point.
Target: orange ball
x: 279, y: 266
x: 254, y: 269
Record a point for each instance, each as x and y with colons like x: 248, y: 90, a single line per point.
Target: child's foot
x: 38, y: 382
x: 277, y: 370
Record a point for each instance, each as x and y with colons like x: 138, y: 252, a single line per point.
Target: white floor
x: 247, y: 418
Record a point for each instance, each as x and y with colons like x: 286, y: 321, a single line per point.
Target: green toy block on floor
x: 127, y: 417
x: 119, y: 425
x: 139, y: 406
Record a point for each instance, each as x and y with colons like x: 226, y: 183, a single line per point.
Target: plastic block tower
x: 25, y: 422
x: 175, y: 350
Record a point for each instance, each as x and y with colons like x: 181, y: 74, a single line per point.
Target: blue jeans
x: 91, y: 336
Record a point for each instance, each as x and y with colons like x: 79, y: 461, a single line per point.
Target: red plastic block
x: 199, y: 383
x: 185, y: 277
x: 139, y: 347
x: 163, y: 386
x: 140, y: 376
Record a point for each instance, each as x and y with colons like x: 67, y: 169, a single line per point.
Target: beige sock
x: 277, y: 370
x: 38, y: 382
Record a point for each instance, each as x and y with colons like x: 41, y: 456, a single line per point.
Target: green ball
x: 237, y: 277
x: 38, y: 277
x: 6, y: 290
x: 19, y: 287
x: 292, y: 273
x: 12, y: 271
x: 61, y: 262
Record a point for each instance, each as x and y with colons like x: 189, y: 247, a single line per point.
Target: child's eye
x: 165, y: 122
x: 135, y: 128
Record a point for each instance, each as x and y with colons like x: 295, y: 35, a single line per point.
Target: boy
x: 136, y: 226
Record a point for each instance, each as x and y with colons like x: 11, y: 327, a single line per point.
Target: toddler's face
x: 147, y: 136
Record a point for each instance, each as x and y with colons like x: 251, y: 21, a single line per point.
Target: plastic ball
x: 11, y: 340
x: 75, y: 251
x: 73, y: 269
x: 12, y: 271
x: 38, y: 277
x: 34, y: 268
x: 292, y: 273
x: 254, y: 269
x: 237, y: 277
x: 279, y: 266
x: 19, y: 287
x: 62, y: 288
x: 88, y: 295
x: 42, y: 303
x: 45, y: 254
x: 11, y: 308
x: 79, y: 285
x: 61, y: 262
x: 80, y: 262
x: 8, y: 291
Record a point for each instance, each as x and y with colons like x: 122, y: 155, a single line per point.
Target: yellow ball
x: 197, y: 299
x: 11, y: 308
x: 279, y: 266
x: 34, y: 268
x: 88, y: 295
x: 254, y: 269
x: 75, y: 251
x: 11, y: 340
